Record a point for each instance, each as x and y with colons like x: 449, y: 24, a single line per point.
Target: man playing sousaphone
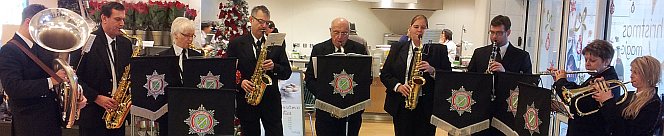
x: 31, y: 89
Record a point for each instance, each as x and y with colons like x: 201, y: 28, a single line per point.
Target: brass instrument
x: 492, y: 57
x: 579, y: 93
x: 205, y: 52
x: 416, y: 80
x: 567, y: 72
x: 62, y: 31
x: 114, y: 118
x: 259, y: 79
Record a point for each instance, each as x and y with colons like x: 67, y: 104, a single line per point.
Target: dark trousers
x: 268, y: 112
x: 101, y: 131
x: 326, y: 125
x: 414, y: 122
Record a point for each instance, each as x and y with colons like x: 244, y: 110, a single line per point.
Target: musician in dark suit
x: 100, y: 71
x: 396, y: 74
x: 246, y: 48
x: 598, y: 55
x: 641, y: 112
x: 32, y: 98
x: 182, y: 34
x: 326, y: 124
x: 508, y: 57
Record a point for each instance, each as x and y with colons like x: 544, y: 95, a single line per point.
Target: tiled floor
x: 372, y: 125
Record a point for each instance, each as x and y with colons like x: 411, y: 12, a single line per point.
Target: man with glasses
x: 326, y: 124
x: 246, y: 49
x: 508, y: 58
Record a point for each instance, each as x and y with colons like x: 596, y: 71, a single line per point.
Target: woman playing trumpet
x: 598, y: 55
x: 640, y: 113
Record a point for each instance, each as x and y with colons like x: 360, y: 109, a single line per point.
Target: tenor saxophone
x: 259, y: 79
x: 416, y: 80
x: 115, y: 117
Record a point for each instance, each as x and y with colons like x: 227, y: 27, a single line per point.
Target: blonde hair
x: 179, y: 25
x: 649, y: 69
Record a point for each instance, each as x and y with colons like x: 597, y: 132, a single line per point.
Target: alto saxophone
x: 259, y: 79
x: 115, y: 117
x: 492, y: 57
x: 416, y: 80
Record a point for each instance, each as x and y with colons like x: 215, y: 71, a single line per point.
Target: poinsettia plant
x: 191, y: 14
x: 175, y: 9
x: 94, y: 11
x: 129, y: 13
x: 158, y: 15
x: 234, y: 15
x: 141, y: 16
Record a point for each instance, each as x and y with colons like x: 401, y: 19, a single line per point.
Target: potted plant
x: 141, y: 18
x: 158, y: 16
x: 175, y: 9
x: 130, y: 24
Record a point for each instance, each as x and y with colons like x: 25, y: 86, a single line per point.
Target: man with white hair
x: 326, y: 124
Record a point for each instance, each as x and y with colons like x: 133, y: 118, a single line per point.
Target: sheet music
x: 275, y: 39
x: 431, y: 36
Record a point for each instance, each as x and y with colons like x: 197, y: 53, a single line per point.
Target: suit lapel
x: 509, y: 54
x: 403, y: 53
x: 249, y: 48
x: 102, y: 48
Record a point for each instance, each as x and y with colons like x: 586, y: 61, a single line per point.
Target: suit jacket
x: 242, y: 48
x: 394, y: 71
x: 94, y: 74
x: 646, y: 123
x: 587, y: 125
x: 326, y: 48
x: 32, y: 103
x: 515, y: 60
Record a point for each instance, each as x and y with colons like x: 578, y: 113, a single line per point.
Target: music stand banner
x: 343, y: 84
x: 150, y: 76
x: 196, y: 111
x: 533, y: 112
x: 506, y: 102
x: 462, y: 102
x: 209, y: 73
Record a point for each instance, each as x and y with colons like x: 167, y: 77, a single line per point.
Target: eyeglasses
x: 188, y: 36
x: 337, y: 33
x: 496, y: 32
x: 261, y: 21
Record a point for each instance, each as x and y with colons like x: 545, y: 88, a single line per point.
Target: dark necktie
x: 112, y: 51
x: 258, y: 45
x: 410, y: 68
x: 183, y: 54
x: 338, y: 50
x: 498, y: 56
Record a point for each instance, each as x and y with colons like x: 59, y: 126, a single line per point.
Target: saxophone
x: 205, y: 52
x: 492, y: 57
x: 259, y: 79
x: 416, y: 80
x: 115, y: 118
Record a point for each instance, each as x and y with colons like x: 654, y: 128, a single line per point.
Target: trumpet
x: 492, y: 57
x: 567, y: 72
x: 579, y: 93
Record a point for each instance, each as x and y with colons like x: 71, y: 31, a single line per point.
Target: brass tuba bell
x: 62, y: 31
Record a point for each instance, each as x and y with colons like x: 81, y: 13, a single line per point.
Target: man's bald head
x: 339, y: 29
